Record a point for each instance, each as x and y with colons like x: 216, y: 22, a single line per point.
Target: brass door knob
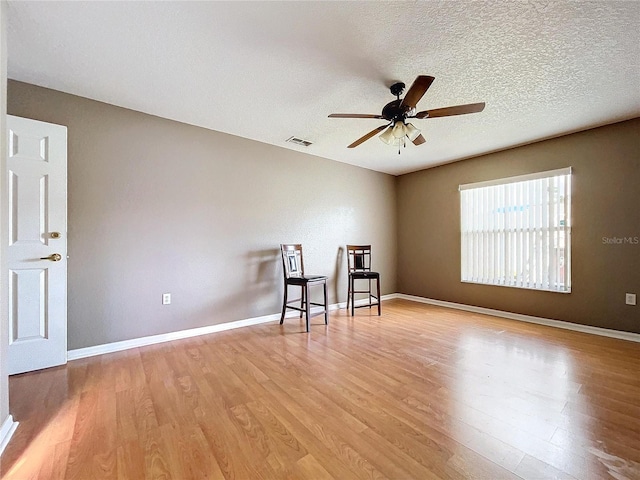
x: 55, y: 234
x: 54, y: 257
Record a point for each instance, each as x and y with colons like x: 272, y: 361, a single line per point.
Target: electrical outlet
x: 166, y: 299
x: 630, y: 299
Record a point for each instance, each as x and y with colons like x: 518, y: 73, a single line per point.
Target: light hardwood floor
x: 421, y: 392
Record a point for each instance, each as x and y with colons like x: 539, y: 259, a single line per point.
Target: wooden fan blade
x: 420, y: 85
x: 419, y: 140
x: 450, y: 111
x: 354, y: 115
x: 366, y: 137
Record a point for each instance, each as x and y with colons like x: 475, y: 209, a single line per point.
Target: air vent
x: 299, y: 141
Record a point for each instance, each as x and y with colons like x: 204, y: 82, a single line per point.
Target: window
x: 516, y: 232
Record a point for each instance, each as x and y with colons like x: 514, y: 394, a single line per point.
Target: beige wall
x: 606, y: 203
x: 158, y: 206
x: 4, y: 271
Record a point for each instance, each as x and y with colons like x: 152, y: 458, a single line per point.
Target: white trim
x: 192, y: 332
x: 165, y: 337
x: 6, y: 431
x: 603, y: 332
x: 517, y: 178
x: 8, y: 427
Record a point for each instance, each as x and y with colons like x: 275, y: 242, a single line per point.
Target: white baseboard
x: 604, y: 332
x: 6, y: 431
x: 192, y: 332
x: 165, y: 337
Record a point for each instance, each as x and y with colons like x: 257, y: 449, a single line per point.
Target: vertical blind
x: 516, y: 231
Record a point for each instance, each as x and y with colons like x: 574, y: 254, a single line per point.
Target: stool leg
x: 353, y: 287
x: 302, y: 299
x: 284, y: 303
x: 348, y: 290
x: 369, y: 294
x: 308, y: 305
x: 379, y: 300
x: 326, y: 309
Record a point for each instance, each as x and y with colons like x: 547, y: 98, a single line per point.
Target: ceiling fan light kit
x: 397, y: 134
x: 398, y: 130
x: 387, y: 136
x: 411, y: 131
x: 398, y: 111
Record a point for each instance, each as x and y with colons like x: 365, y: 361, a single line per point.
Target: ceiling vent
x: 299, y: 141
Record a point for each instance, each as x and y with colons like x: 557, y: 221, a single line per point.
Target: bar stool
x: 293, y: 269
x: 359, y: 268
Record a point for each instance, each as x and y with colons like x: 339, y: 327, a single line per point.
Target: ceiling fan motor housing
x: 394, y: 111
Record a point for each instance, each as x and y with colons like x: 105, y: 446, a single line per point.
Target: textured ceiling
x: 271, y: 70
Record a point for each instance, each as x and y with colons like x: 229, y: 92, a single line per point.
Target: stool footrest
x: 303, y: 305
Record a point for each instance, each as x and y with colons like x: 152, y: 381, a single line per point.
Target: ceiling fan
x: 398, y: 111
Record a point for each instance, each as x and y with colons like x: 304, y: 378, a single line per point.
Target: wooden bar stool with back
x: 359, y: 268
x: 293, y: 269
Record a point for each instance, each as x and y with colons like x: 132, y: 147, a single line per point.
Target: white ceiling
x: 270, y: 70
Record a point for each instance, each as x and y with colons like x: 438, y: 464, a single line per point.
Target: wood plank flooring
x: 421, y: 392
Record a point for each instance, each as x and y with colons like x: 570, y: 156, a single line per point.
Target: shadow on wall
x: 263, y: 280
x: 257, y: 292
x: 262, y: 289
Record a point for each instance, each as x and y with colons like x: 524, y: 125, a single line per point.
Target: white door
x: 37, y: 248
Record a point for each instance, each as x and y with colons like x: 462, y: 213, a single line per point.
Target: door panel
x: 29, y: 315
x: 28, y: 194
x: 37, y: 251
